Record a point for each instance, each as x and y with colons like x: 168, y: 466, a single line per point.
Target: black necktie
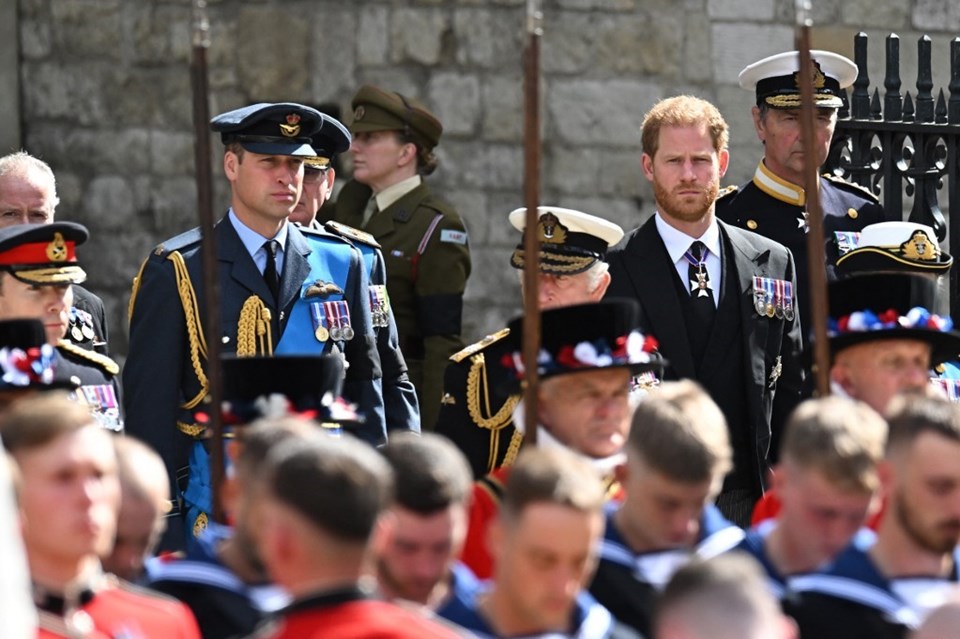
x: 270, y: 274
x: 699, y: 282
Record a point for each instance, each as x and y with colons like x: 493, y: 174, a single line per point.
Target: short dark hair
x: 551, y: 476
x: 37, y: 420
x: 236, y: 148
x: 912, y: 415
x: 339, y: 485
x: 431, y: 474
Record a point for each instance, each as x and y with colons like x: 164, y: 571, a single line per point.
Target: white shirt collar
x: 678, y: 242
x: 252, y: 240
x: 396, y: 191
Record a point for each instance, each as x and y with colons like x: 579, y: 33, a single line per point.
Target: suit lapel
x: 750, y: 262
x: 295, y: 268
x: 651, y: 275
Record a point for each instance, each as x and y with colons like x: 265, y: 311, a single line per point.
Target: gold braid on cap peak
x: 574, y: 262
x: 191, y: 314
x: 254, y: 334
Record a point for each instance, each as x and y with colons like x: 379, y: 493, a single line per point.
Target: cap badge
x: 919, y: 247
x: 551, y: 230
x: 292, y: 128
x: 818, y: 79
x: 359, y: 112
x: 57, y: 249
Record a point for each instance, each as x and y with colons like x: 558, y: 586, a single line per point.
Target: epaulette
x: 318, y: 232
x: 477, y: 346
x: 851, y: 187
x: 728, y: 191
x: 101, y: 361
x: 351, y: 233
x: 180, y: 242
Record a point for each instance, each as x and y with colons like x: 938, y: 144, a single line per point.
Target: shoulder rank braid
x: 102, y: 361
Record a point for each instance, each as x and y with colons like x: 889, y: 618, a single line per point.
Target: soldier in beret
x: 28, y: 195
x: 773, y: 203
x: 38, y: 267
x: 423, y: 238
x: 284, y: 289
x: 476, y: 410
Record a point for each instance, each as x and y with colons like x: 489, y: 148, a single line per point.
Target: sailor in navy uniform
x: 677, y: 453
x: 40, y: 266
x: 283, y: 290
x: 399, y: 395
x: 883, y: 591
x: 773, y: 203
x: 476, y: 410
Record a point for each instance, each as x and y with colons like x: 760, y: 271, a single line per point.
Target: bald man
x: 144, y: 500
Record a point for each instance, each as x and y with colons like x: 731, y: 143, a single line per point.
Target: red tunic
x: 122, y: 610
x: 487, y: 493
x: 350, y: 615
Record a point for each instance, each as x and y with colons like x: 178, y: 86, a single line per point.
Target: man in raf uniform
x: 773, y: 203
x: 399, y: 396
x: 719, y: 299
x: 423, y: 238
x: 476, y: 410
x: 886, y: 589
x: 28, y: 195
x: 283, y: 290
x: 38, y: 266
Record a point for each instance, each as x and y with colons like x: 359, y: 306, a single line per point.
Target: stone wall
x: 105, y: 99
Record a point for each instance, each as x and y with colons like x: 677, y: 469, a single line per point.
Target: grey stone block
x: 271, y: 53
x: 416, y: 35
x: 455, y: 99
x: 600, y: 112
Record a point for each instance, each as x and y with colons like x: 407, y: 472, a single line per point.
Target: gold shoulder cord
x: 135, y: 289
x: 477, y: 383
x: 513, y: 449
x: 254, y: 335
x: 102, y: 361
x: 191, y: 314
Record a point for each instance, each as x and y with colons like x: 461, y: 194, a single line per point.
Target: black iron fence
x: 905, y: 144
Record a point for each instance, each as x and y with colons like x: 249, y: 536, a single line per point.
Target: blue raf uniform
x: 628, y: 583
x: 321, y: 306
x: 399, y: 395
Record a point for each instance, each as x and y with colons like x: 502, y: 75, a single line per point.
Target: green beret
x: 377, y: 110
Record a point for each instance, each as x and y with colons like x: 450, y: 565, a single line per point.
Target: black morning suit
x: 757, y: 395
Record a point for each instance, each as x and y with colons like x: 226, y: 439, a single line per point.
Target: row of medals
x: 768, y: 308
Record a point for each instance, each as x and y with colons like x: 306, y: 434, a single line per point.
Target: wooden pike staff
x: 211, y: 282
x: 815, y: 240
x: 531, y: 197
